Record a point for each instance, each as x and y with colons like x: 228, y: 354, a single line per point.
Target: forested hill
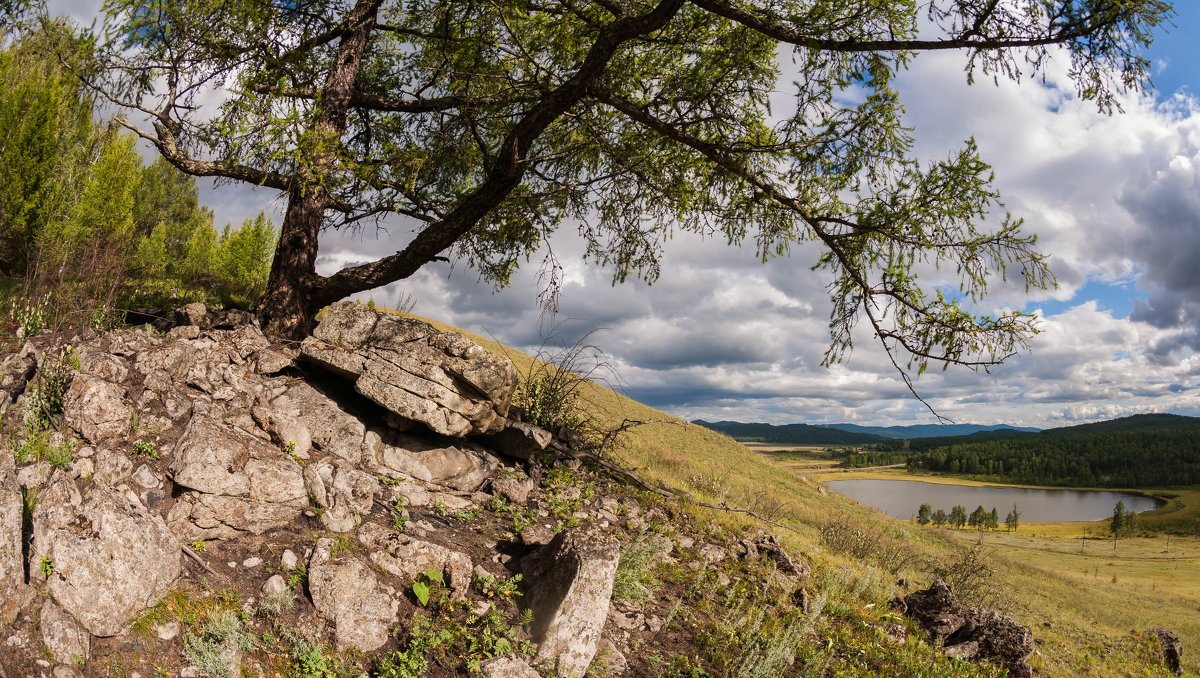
x: 1138, y: 451
x: 926, y: 430
x: 790, y: 434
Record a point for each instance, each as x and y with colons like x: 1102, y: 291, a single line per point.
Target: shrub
x: 634, y: 582
x: 212, y: 649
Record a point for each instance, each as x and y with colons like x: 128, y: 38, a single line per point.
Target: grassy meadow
x: 1082, y: 600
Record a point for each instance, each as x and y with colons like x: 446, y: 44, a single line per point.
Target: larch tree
x: 485, y: 126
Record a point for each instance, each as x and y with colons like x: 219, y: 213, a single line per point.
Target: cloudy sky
x: 1114, y: 199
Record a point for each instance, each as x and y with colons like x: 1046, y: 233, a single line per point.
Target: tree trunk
x: 288, y: 309
x: 290, y: 305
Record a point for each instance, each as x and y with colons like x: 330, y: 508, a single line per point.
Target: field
x: 1082, y: 623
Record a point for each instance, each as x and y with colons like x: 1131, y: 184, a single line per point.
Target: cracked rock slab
x: 110, y: 558
x: 346, y: 592
x: 440, y: 379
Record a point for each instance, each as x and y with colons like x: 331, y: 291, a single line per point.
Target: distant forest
x: 789, y: 434
x: 1138, y: 451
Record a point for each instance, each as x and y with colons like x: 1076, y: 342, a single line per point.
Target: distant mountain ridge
x: 847, y: 434
x: 928, y: 430
x: 791, y: 434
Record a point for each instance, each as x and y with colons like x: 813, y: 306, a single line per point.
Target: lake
x: 901, y: 498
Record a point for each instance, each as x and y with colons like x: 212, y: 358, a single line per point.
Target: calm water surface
x: 901, y: 498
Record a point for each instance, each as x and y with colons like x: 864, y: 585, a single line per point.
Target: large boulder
x: 344, y: 494
x: 407, y: 557
x: 440, y: 379
x: 347, y: 593
x: 12, y: 569
x: 108, y: 558
x: 569, y: 584
x: 518, y: 439
x: 305, y: 417
x: 1172, y: 650
x: 451, y: 463
x: 238, y: 483
x: 970, y: 633
x: 97, y: 408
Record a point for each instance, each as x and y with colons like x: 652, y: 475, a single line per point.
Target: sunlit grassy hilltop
x: 1081, y: 599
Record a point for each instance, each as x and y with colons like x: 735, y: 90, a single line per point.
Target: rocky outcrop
x: 12, y: 563
x: 1172, y: 650
x: 347, y: 593
x: 344, y: 493
x: 439, y: 379
x: 408, y: 557
x: 570, y: 586
x: 240, y: 483
x: 66, y: 640
x: 969, y: 633
x: 97, y: 409
x: 107, y: 557
x: 455, y: 464
x: 518, y: 440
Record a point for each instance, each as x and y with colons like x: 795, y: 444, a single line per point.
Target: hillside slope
x: 860, y: 553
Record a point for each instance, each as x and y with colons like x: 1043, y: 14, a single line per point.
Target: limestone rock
x: 440, y: 379
x: 12, y: 569
x: 408, y: 557
x: 968, y: 633
x: 15, y: 372
x: 515, y: 490
x: 518, y: 439
x: 344, y: 492
x: 66, y: 640
x: 570, y: 585
x: 507, y: 667
x: 192, y: 314
x: 346, y: 592
x: 240, y: 483
x: 455, y: 464
x: 110, y: 558
x: 305, y: 416
x: 97, y: 409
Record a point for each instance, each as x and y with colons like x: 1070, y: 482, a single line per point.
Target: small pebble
x: 252, y: 562
x: 289, y: 560
x: 167, y: 631
x: 231, y: 564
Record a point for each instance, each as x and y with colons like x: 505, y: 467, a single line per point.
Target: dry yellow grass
x: 1080, y: 617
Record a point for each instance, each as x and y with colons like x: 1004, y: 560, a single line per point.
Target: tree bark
x: 288, y: 309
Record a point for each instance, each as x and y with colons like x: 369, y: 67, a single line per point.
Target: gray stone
x: 1172, y: 649
x: 615, y: 663
x: 515, y: 490
x: 16, y: 370
x: 240, y: 483
x: 346, y: 592
x: 111, y: 559
x: 407, y: 557
x: 12, y: 568
x: 192, y: 314
x: 507, y: 667
x: 454, y: 464
x: 97, y: 409
x: 969, y: 633
x: 67, y: 641
x: 111, y: 468
x: 306, y: 416
x: 440, y: 379
x: 288, y: 560
x: 570, y: 584
x: 518, y: 439
x: 275, y: 586
x: 344, y: 492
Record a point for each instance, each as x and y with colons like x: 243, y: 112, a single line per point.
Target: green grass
x: 1090, y: 624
